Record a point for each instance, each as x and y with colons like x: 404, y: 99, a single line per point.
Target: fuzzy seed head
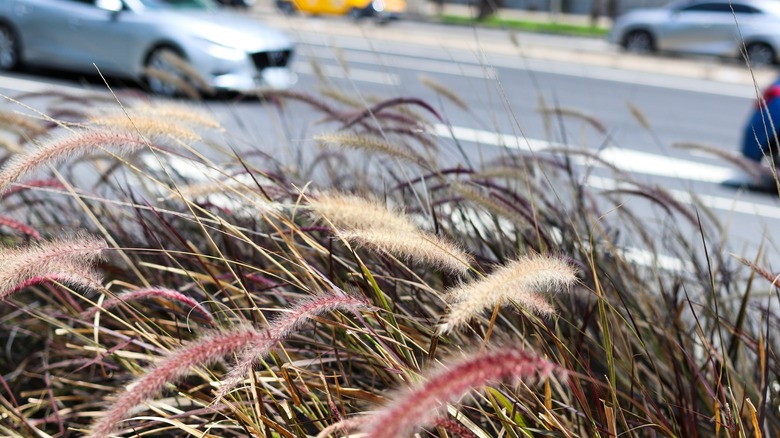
x: 70, y: 258
x: 281, y: 327
x: 146, y: 125
x: 418, y: 405
x: 73, y: 145
x: 420, y: 247
x: 524, y: 281
x: 349, y: 212
x: 172, y: 367
x: 370, y: 144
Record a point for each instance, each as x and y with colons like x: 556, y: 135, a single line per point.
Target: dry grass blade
x: 493, y: 206
x: 181, y: 84
x: 443, y: 91
x: 20, y: 124
x: 168, y: 294
x: 639, y: 116
x: 10, y: 145
x: 188, y: 71
x: 758, y: 172
x: 576, y: 114
x: 341, y: 97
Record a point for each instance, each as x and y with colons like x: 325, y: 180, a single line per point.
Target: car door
x: 74, y: 35
x: 108, y: 39
x: 704, y: 28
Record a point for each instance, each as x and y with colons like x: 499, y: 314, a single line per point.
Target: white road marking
x: 354, y: 74
x: 626, y: 159
x: 32, y: 86
x: 629, y: 161
x: 423, y: 60
x: 424, y: 65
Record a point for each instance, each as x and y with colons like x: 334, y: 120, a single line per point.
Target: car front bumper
x: 235, y: 70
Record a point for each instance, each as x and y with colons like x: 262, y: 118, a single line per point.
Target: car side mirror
x: 114, y: 6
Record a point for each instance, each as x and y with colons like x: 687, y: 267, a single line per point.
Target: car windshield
x: 178, y: 4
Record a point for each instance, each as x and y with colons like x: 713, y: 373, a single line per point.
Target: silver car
x: 134, y: 38
x: 707, y: 27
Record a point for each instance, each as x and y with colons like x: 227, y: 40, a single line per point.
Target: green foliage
x: 530, y: 26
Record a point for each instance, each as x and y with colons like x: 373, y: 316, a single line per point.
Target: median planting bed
x: 251, y: 296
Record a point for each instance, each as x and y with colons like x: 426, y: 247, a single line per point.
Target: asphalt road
x: 502, y: 88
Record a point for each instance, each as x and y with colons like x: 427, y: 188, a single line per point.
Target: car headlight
x: 222, y: 51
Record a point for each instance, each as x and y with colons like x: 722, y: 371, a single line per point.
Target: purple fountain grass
x: 72, y: 145
x: 282, y: 326
x: 33, y: 184
x: 169, y: 294
x: 419, y: 405
x: 343, y: 426
x: 20, y: 227
x: 86, y: 279
x: 68, y: 258
x: 172, y: 367
x: 521, y: 281
x: 255, y: 344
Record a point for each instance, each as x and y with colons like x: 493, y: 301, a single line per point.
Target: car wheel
x: 639, y: 41
x: 166, y: 81
x: 760, y: 54
x: 355, y: 14
x: 286, y: 8
x: 9, y: 48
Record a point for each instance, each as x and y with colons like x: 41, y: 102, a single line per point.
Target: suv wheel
x: 639, y: 41
x: 9, y: 48
x: 760, y: 54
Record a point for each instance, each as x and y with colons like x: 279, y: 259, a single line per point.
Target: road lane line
x: 32, y: 86
x: 709, y: 201
x: 354, y: 74
x: 626, y: 159
x: 417, y: 61
x: 629, y: 161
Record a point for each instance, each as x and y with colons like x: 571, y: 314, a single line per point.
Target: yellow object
x: 381, y: 9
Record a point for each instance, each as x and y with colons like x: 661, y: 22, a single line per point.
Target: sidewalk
x: 426, y: 10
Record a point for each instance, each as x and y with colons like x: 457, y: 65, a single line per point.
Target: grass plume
x: 281, y: 327
x: 418, y: 405
x: 424, y: 248
x: 20, y: 227
x: 387, y: 230
x: 69, y: 258
x: 370, y: 144
x: 170, y: 368
x: 522, y: 281
x: 72, y: 145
